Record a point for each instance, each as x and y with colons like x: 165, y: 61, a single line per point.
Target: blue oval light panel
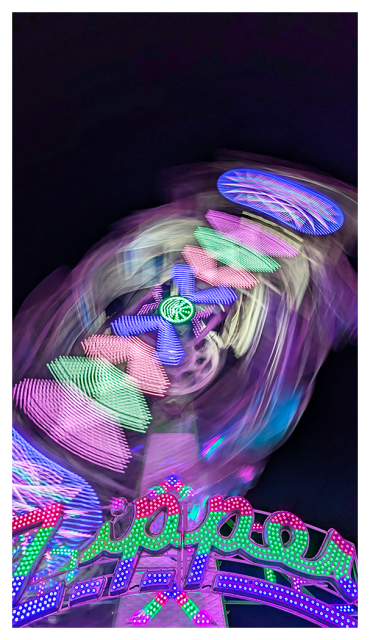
x: 304, y: 209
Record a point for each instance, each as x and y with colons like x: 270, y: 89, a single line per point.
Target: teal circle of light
x: 176, y: 309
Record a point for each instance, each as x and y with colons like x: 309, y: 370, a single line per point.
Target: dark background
x: 102, y: 102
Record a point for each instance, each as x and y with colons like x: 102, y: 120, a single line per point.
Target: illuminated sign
x: 330, y: 569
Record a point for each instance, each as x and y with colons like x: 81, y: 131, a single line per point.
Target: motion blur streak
x: 238, y: 374
x: 37, y: 483
x: 251, y: 235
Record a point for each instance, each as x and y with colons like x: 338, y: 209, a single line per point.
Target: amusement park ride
x: 152, y: 393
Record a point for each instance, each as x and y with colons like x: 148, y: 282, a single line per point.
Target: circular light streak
x: 176, y: 309
x: 303, y: 209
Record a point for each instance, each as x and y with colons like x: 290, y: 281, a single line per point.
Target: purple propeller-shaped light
x: 173, y: 310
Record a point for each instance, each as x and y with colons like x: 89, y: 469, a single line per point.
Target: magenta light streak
x: 142, y: 363
x: 157, y: 294
x: 210, y: 446
x: 42, y: 482
x: 75, y: 421
x: 206, y: 269
x: 251, y: 235
x: 197, y: 325
x: 111, y: 348
x: 247, y: 473
x: 205, y: 312
x: 196, y: 320
x: 152, y: 306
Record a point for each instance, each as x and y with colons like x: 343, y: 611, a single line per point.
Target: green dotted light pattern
x: 184, y: 492
x: 34, y: 551
x: 333, y: 561
x: 52, y: 516
x: 72, y: 562
x: 190, y: 608
x: 176, y: 309
x: 107, y: 384
x: 134, y: 542
x: 152, y: 608
x: 232, y: 254
x: 330, y: 561
x: 270, y: 575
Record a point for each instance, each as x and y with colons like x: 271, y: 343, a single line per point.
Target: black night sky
x: 102, y: 102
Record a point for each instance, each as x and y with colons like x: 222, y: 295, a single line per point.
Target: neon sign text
x: 332, y: 564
